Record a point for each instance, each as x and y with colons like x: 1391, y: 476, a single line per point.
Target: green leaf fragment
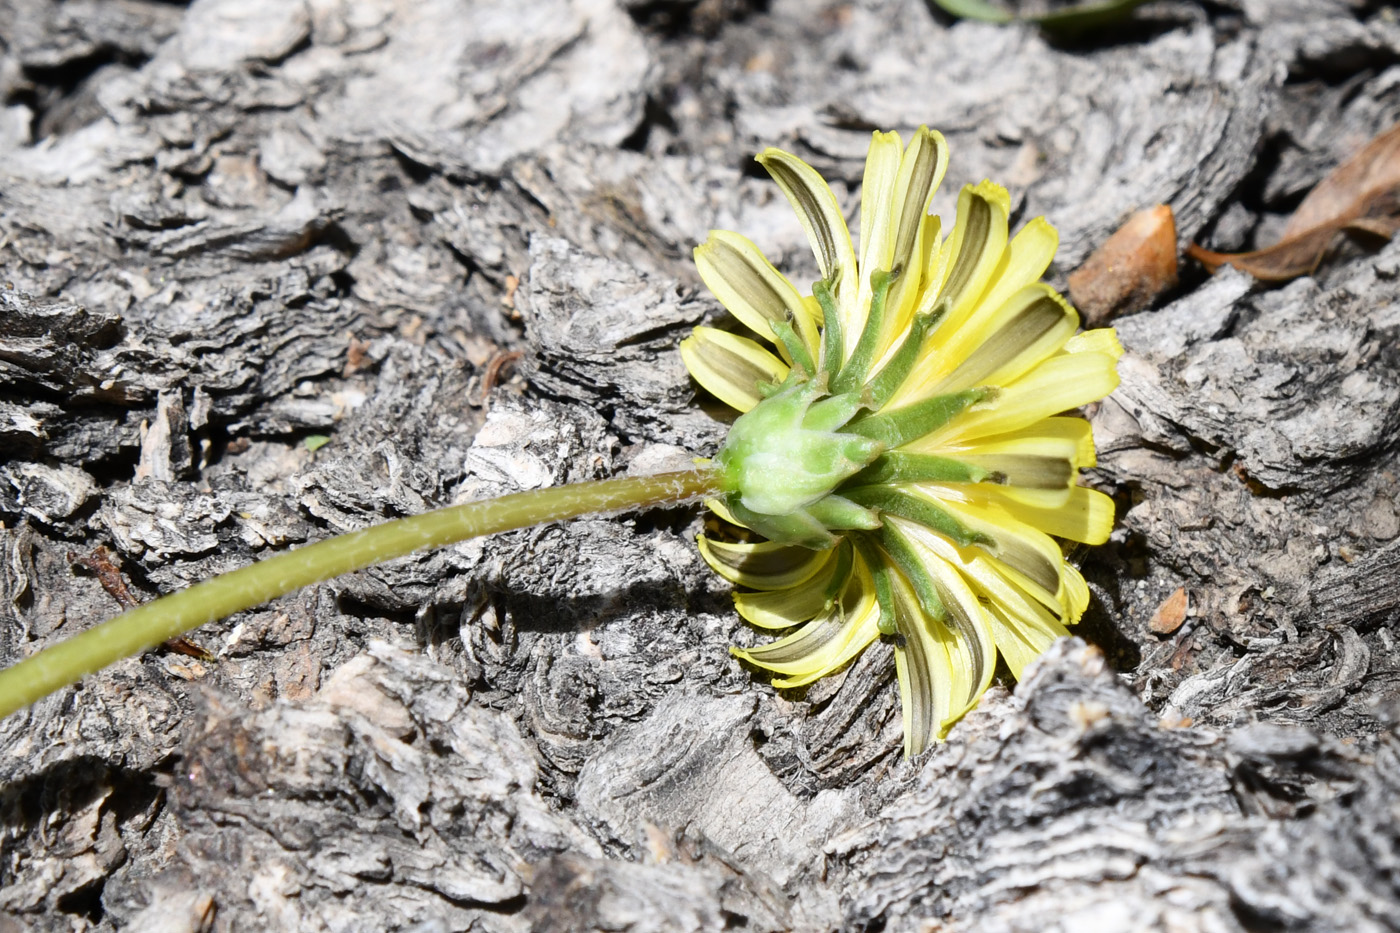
x: 841, y: 514
x: 975, y: 9
x: 799, y: 527
x: 831, y: 414
x: 1068, y: 20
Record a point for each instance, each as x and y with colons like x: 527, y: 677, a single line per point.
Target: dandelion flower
x: 902, y: 447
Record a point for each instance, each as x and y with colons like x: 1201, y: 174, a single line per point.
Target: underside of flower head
x: 901, y: 445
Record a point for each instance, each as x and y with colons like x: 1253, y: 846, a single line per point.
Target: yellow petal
x: 806, y: 652
x: 1075, y: 431
x: 879, y: 229
x: 903, y: 299
x: 821, y: 217
x: 938, y: 256
x: 1016, y: 543
x: 924, y: 669
x: 764, y: 565
x: 971, y: 652
x: 1024, y: 261
x: 1103, y: 340
x: 746, y: 283
x: 1041, y: 499
x: 877, y: 213
x: 779, y: 609
x: 1059, y: 384
x: 915, y: 233
x: 1076, y: 594
x: 920, y: 173
x: 1040, y: 462
x: 1020, y: 645
x: 860, y: 632
x: 823, y: 645
x: 1086, y: 515
x: 997, y: 586
x: 975, y: 251
x: 996, y: 346
x: 1050, y: 443
x: 730, y: 367
x: 719, y: 508
x: 1039, y: 470
x: 1021, y: 624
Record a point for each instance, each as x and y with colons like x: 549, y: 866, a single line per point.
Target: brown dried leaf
x: 1360, y: 196
x: 1372, y: 171
x: 1132, y: 267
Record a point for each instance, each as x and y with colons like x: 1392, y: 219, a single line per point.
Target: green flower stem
x: 146, y: 626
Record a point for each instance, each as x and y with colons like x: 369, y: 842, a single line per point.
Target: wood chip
x: 1170, y: 614
x: 1132, y: 267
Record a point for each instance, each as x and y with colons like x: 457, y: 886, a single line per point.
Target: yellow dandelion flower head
x: 902, y: 445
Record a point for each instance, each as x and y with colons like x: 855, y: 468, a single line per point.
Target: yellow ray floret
x: 903, y: 443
